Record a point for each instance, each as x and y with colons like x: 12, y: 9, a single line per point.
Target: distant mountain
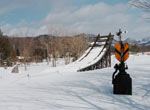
x: 91, y: 35
x: 146, y: 39
x: 131, y: 41
x: 144, y: 42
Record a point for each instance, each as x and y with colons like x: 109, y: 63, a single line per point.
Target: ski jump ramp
x: 97, y: 56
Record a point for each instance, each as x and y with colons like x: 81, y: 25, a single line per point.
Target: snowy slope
x: 87, y: 59
x: 48, y: 88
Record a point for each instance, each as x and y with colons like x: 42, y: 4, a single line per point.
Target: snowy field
x: 42, y: 87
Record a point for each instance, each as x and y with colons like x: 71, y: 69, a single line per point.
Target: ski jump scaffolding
x: 97, y: 56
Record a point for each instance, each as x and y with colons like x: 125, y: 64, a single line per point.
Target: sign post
x: 122, y: 82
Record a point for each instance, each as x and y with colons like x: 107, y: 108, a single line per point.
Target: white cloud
x: 23, y: 32
x: 98, y: 18
x: 6, y: 28
x: 92, y: 18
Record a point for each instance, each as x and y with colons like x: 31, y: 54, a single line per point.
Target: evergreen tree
x: 6, y: 50
x: 134, y: 48
x: 1, y: 33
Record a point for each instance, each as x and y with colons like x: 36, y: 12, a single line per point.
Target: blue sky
x: 64, y: 17
x: 37, y: 10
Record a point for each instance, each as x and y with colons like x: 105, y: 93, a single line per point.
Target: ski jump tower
x: 98, y: 55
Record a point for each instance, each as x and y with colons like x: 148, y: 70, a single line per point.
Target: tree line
x: 35, y: 49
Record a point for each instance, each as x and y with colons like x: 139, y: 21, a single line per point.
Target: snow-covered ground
x: 43, y: 87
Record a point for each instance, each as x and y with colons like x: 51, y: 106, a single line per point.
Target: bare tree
x: 142, y: 4
x: 78, y: 46
x: 64, y: 44
x: 45, y: 44
x: 55, y: 47
x: 27, y: 51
